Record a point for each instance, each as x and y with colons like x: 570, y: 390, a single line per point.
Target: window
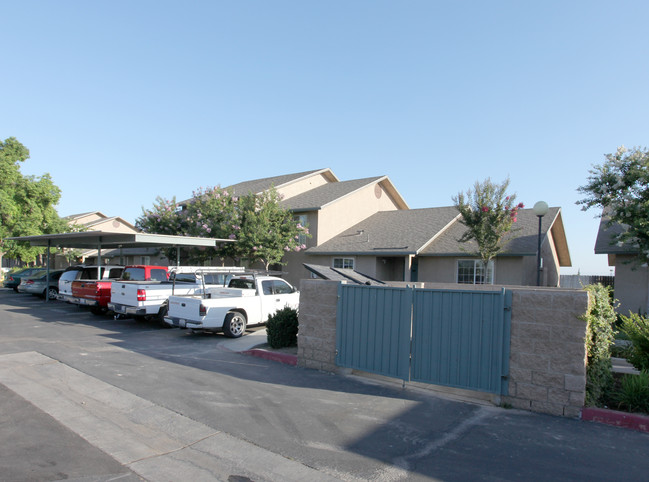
x: 145, y: 259
x: 276, y: 287
x: 343, y: 263
x: 281, y: 287
x: 159, y: 274
x: 303, y: 220
x: 267, y: 287
x: 471, y: 271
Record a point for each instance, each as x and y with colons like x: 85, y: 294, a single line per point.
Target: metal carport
x: 100, y: 239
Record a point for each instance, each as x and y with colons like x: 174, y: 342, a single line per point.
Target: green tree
x: 212, y: 212
x: 488, y: 213
x: 27, y: 203
x: 620, y: 187
x: 264, y: 231
x: 267, y: 231
x: 163, y: 218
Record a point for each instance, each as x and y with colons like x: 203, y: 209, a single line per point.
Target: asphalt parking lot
x: 93, y: 398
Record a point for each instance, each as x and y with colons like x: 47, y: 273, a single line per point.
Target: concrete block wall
x: 547, y: 365
x: 316, y: 337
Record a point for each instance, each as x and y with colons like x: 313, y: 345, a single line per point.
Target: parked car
x: 13, y: 279
x: 96, y: 293
x: 148, y: 299
x: 87, y: 273
x: 37, y: 284
x: 246, y: 301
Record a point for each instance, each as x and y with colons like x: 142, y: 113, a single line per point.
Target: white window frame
x: 345, y: 262
x: 491, y: 270
x: 303, y: 219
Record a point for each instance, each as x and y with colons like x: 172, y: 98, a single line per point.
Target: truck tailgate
x: 184, y: 307
x: 127, y: 293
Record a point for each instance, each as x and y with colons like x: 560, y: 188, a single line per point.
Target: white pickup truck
x: 247, y: 300
x: 148, y: 299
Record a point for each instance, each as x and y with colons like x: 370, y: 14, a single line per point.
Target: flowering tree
x: 212, y: 213
x: 267, y: 230
x: 620, y: 187
x: 163, y: 218
x: 264, y: 231
x: 488, y: 214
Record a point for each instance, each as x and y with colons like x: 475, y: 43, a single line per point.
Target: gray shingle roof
x: 315, y: 199
x: 605, y: 242
x: 259, y: 185
x: 523, y: 238
x: 390, y: 232
x: 429, y: 232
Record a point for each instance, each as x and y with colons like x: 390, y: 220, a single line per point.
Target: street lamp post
x: 540, y: 209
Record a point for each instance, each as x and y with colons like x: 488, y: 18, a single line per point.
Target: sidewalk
x: 153, y: 442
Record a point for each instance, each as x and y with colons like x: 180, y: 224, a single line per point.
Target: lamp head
x: 540, y: 208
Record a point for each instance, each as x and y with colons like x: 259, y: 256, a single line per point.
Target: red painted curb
x: 615, y: 418
x: 285, y: 358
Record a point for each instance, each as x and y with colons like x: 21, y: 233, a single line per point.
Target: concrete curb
x: 285, y: 358
x: 618, y: 419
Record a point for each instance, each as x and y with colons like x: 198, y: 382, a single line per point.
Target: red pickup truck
x: 96, y: 294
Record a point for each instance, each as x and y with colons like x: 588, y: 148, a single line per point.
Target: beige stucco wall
x: 114, y: 226
x: 631, y: 286
x: 547, y: 363
x: 507, y: 270
x: 303, y: 185
x: 332, y: 220
x: 88, y: 218
x: 350, y: 210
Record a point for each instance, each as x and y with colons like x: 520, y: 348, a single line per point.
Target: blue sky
x: 123, y: 101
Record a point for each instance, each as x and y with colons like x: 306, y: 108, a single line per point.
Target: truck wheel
x: 234, y: 325
x: 160, y: 317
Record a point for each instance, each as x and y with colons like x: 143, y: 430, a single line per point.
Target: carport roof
x: 94, y: 239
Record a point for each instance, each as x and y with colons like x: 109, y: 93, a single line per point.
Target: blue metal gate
x: 445, y: 337
x: 373, y: 329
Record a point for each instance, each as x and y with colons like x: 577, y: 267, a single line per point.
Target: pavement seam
x: 156, y: 443
x: 163, y: 454
x: 450, y: 436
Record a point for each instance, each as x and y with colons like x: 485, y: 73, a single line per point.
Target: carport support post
x: 47, y: 276
x: 99, y: 260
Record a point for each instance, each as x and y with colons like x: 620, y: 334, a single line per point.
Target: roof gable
x: 606, y: 238
x: 522, y: 240
x: 391, y: 232
x: 90, y: 216
x: 257, y: 186
x: 110, y: 224
x: 322, y: 196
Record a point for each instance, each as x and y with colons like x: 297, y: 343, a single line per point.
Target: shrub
x: 633, y: 394
x: 636, y: 328
x: 282, y: 328
x: 600, y: 318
